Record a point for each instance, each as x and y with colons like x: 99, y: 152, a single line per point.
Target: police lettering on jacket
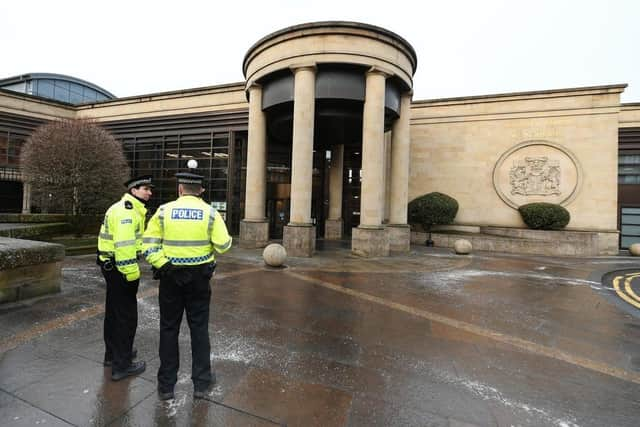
x: 185, y: 213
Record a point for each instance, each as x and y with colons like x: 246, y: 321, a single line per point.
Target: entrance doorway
x: 279, y: 191
x: 10, y: 196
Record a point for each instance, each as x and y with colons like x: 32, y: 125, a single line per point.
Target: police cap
x: 189, y: 178
x: 138, y: 181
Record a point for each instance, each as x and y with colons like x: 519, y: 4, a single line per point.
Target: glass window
x: 628, y: 179
x: 631, y: 230
x: 75, y: 93
x: 4, y: 145
x: 630, y: 219
x: 61, y: 91
x: 629, y: 159
x: 88, y: 94
x: 75, y: 98
x: 13, y: 153
x: 45, y: 88
x: 629, y: 169
x: 627, y: 241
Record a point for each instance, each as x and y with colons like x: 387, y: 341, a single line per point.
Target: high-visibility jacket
x: 185, y: 232
x: 120, y: 238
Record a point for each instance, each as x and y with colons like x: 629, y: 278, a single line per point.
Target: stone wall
x: 494, y: 153
x: 524, y: 241
x: 29, y: 269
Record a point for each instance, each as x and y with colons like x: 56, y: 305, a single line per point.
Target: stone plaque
x: 537, y: 171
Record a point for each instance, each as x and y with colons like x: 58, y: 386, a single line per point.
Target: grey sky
x: 464, y: 47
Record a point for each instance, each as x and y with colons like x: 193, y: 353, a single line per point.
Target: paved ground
x: 428, y: 339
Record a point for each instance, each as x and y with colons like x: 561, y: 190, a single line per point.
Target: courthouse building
x: 324, y: 139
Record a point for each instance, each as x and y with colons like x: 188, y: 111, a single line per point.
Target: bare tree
x: 74, y: 167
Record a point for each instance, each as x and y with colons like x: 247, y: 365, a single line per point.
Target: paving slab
x: 427, y: 339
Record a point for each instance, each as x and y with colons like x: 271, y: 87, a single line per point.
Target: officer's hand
x: 162, y: 272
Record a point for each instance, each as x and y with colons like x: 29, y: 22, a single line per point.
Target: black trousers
x: 186, y: 290
x: 120, y: 318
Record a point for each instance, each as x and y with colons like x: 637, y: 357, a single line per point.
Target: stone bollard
x: 634, y: 249
x: 462, y: 247
x: 274, y: 255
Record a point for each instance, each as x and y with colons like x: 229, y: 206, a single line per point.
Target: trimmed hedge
x: 544, y: 216
x: 432, y: 209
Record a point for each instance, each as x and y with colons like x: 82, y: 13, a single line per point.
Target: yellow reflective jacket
x: 120, y: 236
x: 185, y: 232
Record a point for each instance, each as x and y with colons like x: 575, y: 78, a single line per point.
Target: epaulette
x: 128, y: 204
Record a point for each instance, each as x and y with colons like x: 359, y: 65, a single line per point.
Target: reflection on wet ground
x: 425, y: 339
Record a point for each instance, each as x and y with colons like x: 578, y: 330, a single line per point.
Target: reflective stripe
x: 138, y: 235
x: 126, y: 262
x: 106, y: 253
x: 224, y: 246
x: 185, y: 243
x: 191, y: 260
x: 125, y: 243
x: 151, y: 251
x: 106, y: 236
x: 161, y: 218
x: 212, y: 216
x: 151, y: 240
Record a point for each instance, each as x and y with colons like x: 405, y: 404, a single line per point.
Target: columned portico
x: 329, y: 86
x: 333, y: 225
x: 26, y: 198
x: 370, y: 238
x: 254, y: 228
x: 399, y: 231
x: 299, y: 237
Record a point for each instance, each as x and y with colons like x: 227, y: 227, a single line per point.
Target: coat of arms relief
x: 535, y: 176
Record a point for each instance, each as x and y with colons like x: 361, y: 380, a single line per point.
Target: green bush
x: 432, y: 209
x: 84, y: 224
x: 544, y: 216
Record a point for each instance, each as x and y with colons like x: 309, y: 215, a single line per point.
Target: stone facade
x: 491, y: 153
x: 254, y: 234
x: 399, y: 237
x: 333, y: 229
x: 299, y: 240
x: 370, y: 242
x: 457, y: 146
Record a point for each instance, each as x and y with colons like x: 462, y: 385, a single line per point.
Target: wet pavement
x: 427, y: 339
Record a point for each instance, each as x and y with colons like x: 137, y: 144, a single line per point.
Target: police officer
x: 179, y: 243
x: 119, y: 244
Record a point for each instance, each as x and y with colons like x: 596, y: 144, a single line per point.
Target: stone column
x: 254, y: 228
x: 370, y: 238
x: 299, y: 238
x: 387, y: 178
x: 333, y: 225
x: 399, y: 232
x: 26, y: 198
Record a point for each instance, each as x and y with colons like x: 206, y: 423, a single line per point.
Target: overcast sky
x: 464, y: 47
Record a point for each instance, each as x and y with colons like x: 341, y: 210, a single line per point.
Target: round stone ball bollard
x: 634, y: 249
x: 274, y: 255
x: 462, y: 247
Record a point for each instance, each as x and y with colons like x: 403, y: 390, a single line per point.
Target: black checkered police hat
x: 189, y: 178
x: 138, y: 181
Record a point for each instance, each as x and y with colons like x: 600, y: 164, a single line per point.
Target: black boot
x: 134, y: 368
x: 108, y: 360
